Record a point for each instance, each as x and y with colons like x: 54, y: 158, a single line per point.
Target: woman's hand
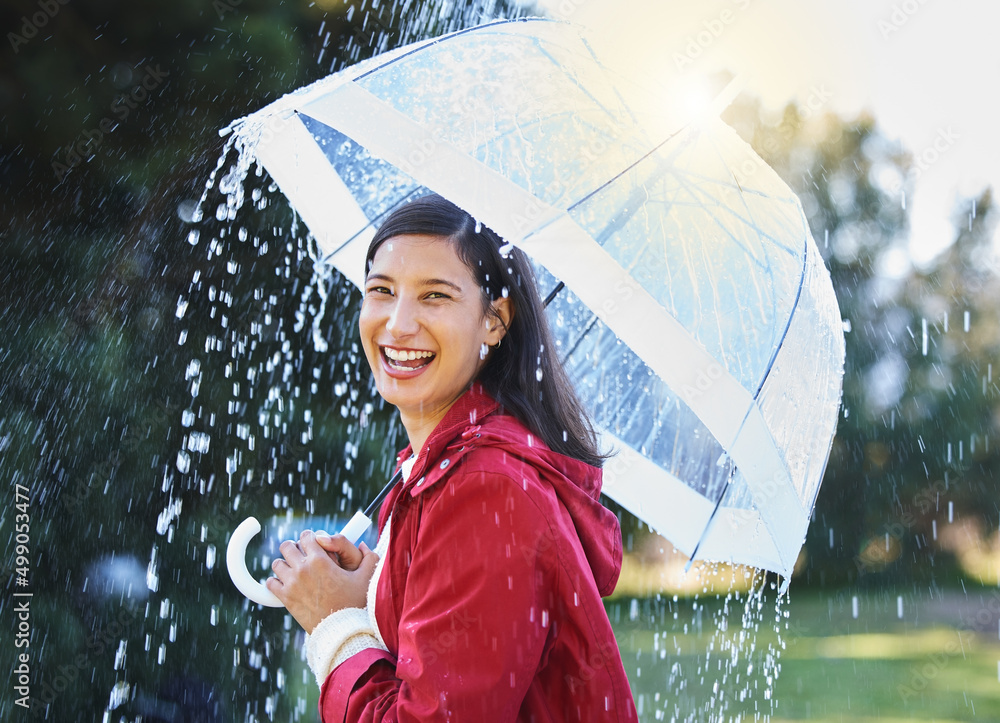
x: 311, y: 583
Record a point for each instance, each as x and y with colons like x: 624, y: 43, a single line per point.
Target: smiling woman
x: 482, y: 600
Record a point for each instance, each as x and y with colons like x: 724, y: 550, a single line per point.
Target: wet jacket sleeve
x: 474, y: 624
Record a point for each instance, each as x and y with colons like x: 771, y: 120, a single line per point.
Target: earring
x: 498, y: 343
x: 483, y: 350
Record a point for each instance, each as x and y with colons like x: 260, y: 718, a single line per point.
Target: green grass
x: 691, y: 659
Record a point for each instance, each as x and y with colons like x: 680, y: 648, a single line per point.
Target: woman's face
x: 422, y: 324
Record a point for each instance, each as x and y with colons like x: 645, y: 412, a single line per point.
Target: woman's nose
x: 402, y: 320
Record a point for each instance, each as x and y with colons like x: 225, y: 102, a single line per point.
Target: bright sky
x: 926, y: 69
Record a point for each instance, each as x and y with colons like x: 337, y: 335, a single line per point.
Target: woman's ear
x: 499, y: 320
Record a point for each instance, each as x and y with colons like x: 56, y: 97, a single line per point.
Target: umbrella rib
x: 552, y: 294
x: 631, y: 166
x: 711, y: 519
x: 795, y: 302
x: 788, y: 323
x: 587, y: 92
x: 698, y: 196
x: 694, y: 190
x: 579, y: 339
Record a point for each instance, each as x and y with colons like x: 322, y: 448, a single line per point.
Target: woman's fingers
x: 347, y: 554
x: 344, y: 553
x: 368, y: 562
x: 291, y: 551
x: 275, y: 586
x: 278, y: 564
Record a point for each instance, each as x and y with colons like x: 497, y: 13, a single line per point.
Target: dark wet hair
x: 548, y: 406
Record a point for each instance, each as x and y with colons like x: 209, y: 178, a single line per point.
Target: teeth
x: 398, y: 355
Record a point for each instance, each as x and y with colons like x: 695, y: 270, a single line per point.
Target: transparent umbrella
x: 691, y: 306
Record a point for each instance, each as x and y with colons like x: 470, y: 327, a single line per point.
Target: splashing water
x: 706, y: 658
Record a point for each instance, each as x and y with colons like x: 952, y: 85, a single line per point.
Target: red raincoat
x: 490, y: 602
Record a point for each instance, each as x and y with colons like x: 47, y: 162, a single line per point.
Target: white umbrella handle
x: 236, y: 557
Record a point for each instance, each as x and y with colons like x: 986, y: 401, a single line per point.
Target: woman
x: 482, y: 600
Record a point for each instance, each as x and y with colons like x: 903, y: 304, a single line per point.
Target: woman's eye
x: 379, y: 290
x: 437, y: 295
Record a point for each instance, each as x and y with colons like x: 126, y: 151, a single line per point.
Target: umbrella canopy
x: 697, y: 321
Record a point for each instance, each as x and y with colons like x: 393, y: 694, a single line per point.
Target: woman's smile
x: 406, y: 362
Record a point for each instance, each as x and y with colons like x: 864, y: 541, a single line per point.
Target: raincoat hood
x: 477, y: 420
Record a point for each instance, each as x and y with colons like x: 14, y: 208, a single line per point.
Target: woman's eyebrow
x: 441, y: 282
x: 421, y: 282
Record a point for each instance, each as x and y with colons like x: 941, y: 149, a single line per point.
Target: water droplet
x: 188, y: 211
x: 198, y: 442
